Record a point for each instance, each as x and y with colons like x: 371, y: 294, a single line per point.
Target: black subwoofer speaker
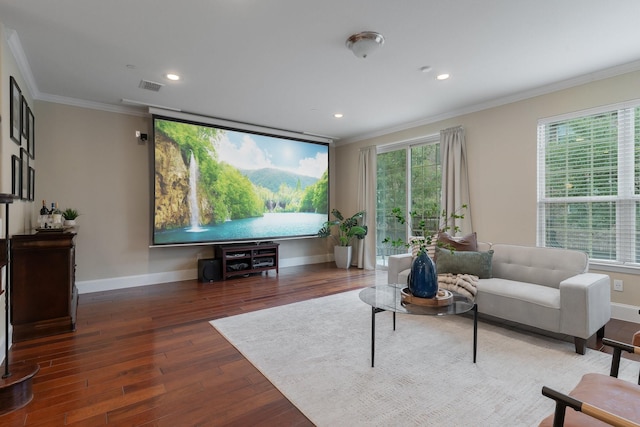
x: 209, y: 270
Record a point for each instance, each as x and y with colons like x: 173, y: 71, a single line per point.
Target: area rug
x: 317, y: 353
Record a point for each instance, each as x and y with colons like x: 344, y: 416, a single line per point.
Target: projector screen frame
x: 225, y: 125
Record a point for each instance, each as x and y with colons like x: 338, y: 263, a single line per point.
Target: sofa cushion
x: 464, y: 262
x: 535, y: 294
x: 539, y: 265
x: 521, y: 302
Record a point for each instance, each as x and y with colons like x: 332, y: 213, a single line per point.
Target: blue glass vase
x: 423, y: 280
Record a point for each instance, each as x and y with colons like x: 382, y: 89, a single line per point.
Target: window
x: 408, y: 177
x: 589, y: 183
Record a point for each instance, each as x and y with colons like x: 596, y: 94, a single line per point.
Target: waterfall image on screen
x: 213, y: 184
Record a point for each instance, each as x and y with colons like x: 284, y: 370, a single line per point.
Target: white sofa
x: 546, y: 288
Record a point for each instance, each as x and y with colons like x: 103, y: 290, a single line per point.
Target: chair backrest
x: 599, y: 389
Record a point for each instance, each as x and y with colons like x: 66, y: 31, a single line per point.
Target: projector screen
x: 215, y: 184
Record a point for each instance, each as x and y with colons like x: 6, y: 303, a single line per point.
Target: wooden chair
x: 599, y: 399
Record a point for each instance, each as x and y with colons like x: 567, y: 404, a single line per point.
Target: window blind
x: 588, y: 185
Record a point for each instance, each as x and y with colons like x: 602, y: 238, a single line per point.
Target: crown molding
x: 520, y: 96
x: 25, y: 70
x: 21, y: 60
x: 111, y: 108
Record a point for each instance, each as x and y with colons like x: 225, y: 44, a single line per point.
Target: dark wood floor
x: 147, y: 356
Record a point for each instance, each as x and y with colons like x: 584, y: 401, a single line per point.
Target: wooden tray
x: 443, y: 298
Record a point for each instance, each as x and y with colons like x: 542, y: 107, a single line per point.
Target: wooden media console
x: 244, y: 259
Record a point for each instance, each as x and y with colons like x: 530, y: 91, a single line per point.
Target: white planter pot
x: 342, y: 256
x: 69, y: 222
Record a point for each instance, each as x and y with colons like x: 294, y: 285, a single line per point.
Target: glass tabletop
x: 389, y: 298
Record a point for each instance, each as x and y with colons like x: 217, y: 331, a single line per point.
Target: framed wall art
x: 32, y: 185
x: 23, y: 118
x: 24, y: 176
x: 16, y: 175
x: 31, y: 134
x: 15, y: 111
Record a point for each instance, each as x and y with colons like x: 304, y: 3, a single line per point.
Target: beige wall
x: 501, y: 146
x: 91, y: 160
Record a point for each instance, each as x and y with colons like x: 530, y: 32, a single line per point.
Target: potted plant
x: 70, y: 216
x: 346, y: 230
x: 424, y: 233
x: 423, y: 280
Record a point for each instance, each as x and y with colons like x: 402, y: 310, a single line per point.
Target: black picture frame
x: 31, y: 134
x: 24, y: 176
x: 32, y: 184
x: 16, y: 175
x: 15, y: 112
x: 24, y: 106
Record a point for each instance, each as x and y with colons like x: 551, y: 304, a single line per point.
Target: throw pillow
x: 464, y: 262
x: 464, y: 243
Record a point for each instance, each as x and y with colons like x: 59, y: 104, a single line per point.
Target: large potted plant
x: 343, y: 231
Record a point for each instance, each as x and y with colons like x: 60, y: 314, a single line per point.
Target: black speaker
x: 209, y: 270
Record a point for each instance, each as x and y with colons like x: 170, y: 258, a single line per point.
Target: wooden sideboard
x: 43, y: 293
x: 240, y: 259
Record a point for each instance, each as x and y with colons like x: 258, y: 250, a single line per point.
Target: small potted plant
x: 346, y: 230
x: 70, y: 216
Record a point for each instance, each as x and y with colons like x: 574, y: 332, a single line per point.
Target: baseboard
x: 628, y: 313
x: 316, y: 259
x: 109, y: 284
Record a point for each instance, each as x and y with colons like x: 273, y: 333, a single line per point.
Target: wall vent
x: 149, y: 85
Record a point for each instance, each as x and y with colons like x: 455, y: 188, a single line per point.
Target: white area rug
x: 318, y: 354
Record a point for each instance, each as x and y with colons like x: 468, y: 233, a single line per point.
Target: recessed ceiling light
x: 425, y: 69
x: 338, y: 115
x: 173, y: 77
x: 443, y: 76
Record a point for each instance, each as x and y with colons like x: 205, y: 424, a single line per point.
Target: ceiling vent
x: 149, y: 85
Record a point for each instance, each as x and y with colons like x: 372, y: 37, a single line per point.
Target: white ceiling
x: 284, y: 64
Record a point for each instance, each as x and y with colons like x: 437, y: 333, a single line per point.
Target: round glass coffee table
x: 389, y: 298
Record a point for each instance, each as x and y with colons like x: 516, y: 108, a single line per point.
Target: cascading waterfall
x: 193, y: 194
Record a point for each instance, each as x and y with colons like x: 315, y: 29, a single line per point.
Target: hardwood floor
x: 147, y: 356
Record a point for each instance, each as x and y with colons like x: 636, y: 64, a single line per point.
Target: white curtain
x: 455, y: 179
x: 366, y: 249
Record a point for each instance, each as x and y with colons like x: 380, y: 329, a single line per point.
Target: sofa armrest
x: 585, y: 304
x: 397, y: 264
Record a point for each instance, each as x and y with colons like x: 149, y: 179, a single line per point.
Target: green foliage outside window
x: 419, y: 181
